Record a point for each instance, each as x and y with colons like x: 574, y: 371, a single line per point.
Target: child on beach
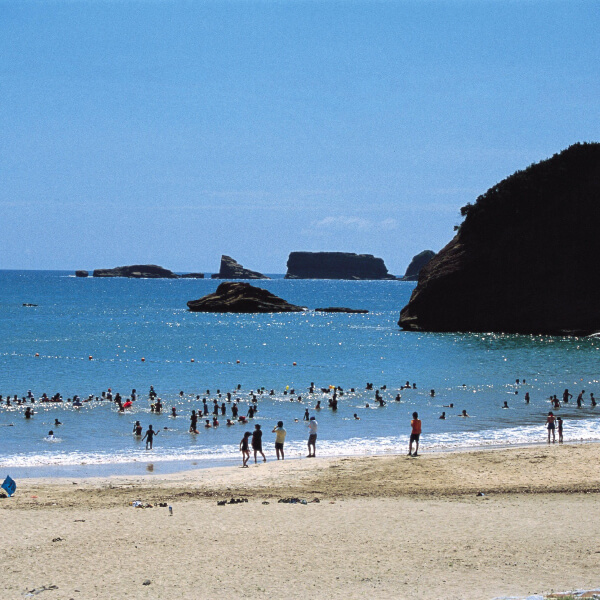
x: 415, y: 434
x: 550, y: 424
x: 280, y: 434
x: 244, y: 449
x: 559, y: 423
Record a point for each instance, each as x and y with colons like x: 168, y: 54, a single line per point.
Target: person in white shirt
x: 312, y: 437
x: 280, y: 433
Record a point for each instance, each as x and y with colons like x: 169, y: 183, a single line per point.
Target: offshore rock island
x: 416, y: 264
x: 231, y: 269
x: 140, y: 272
x: 238, y: 297
x: 525, y: 259
x: 335, y: 265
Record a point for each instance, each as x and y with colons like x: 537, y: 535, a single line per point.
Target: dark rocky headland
x: 524, y: 260
x: 416, y: 264
x: 239, y: 297
x: 335, y: 265
x: 231, y: 269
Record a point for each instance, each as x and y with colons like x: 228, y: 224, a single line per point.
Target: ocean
x: 85, y: 336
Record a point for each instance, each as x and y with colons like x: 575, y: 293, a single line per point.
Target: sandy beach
x: 384, y: 527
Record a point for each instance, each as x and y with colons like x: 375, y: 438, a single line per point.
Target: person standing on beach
x: 257, y: 443
x: 550, y: 424
x: 559, y: 424
x: 312, y: 437
x: 280, y: 434
x: 415, y: 434
x: 149, y: 437
x: 244, y: 449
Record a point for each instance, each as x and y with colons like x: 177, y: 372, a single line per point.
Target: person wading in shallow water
x: 149, y: 437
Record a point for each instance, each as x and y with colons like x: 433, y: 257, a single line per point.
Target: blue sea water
x: 118, y: 322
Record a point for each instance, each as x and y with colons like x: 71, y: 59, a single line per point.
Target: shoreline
x: 160, y: 468
x: 383, y: 527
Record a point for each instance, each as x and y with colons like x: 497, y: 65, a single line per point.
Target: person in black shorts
x: 149, y: 437
x: 257, y: 443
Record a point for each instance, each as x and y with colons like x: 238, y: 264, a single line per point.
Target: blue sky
x: 174, y: 132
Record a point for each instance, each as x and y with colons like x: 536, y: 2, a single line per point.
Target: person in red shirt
x: 415, y: 433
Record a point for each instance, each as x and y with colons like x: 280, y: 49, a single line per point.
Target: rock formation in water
x: 192, y: 276
x: 525, y: 259
x: 335, y: 265
x: 239, y: 297
x: 231, y: 269
x: 416, y: 264
x: 81, y: 273
x: 137, y: 271
x: 341, y: 309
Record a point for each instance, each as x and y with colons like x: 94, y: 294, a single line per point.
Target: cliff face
x: 416, y: 264
x: 136, y: 271
x: 335, y: 265
x: 525, y: 259
x: 231, y: 269
x: 238, y: 297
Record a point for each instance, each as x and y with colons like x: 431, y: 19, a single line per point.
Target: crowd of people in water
x: 227, y: 407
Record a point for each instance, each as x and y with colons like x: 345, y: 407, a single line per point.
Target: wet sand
x: 384, y: 527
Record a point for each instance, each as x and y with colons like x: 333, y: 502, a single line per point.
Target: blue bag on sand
x: 9, y: 485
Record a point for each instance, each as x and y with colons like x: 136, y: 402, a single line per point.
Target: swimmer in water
x: 137, y: 429
x: 356, y: 417
x: 448, y: 406
x: 592, y: 399
x: 505, y: 404
x: 526, y: 397
x: 50, y: 435
x: 464, y: 413
x: 57, y: 422
x: 443, y: 416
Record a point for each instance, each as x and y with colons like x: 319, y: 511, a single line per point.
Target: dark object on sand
x: 137, y: 272
x: 416, y: 264
x: 81, y: 273
x: 341, y: 309
x: 231, y: 269
x: 525, y: 259
x: 335, y: 265
x: 238, y: 297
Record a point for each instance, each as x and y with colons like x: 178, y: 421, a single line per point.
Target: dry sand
x: 385, y: 527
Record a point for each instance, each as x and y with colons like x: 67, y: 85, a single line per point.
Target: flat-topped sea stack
x: 239, y: 297
x: 137, y: 272
x: 335, y: 265
x: 525, y: 259
x: 81, y: 273
x: 416, y: 264
x: 192, y: 276
x: 231, y: 269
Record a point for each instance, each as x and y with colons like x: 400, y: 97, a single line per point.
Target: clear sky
x: 172, y: 132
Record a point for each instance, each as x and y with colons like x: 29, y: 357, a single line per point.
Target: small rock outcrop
x: 231, y: 269
x: 137, y: 271
x: 192, y: 276
x: 239, y: 297
x: 81, y: 273
x: 341, y: 309
x: 416, y: 264
x: 335, y: 265
x: 525, y: 259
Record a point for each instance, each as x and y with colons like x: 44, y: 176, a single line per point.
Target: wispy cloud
x: 353, y: 224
